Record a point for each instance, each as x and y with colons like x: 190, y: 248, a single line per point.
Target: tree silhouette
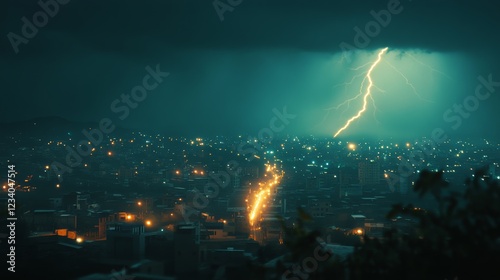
x: 460, y: 239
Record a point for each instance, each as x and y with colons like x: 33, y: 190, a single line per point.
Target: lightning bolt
x: 348, y: 101
x: 408, y: 82
x: 360, y: 67
x: 367, y: 94
x: 431, y: 68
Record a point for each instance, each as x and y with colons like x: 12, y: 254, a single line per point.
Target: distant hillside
x: 50, y: 126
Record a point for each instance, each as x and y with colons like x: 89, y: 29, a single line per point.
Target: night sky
x: 226, y: 76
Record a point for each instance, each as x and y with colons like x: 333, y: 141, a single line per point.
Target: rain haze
x: 229, y: 67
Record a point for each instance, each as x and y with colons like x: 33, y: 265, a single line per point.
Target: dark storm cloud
x: 224, y: 73
x: 137, y: 26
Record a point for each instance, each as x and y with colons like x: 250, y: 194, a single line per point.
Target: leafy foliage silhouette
x: 460, y: 239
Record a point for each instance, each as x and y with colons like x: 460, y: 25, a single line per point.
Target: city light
x: 79, y: 240
x: 351, y: 146
x: 148, y: 223
x: 264, y: 191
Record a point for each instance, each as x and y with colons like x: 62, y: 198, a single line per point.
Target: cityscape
x: 267, y: 140
x: 138, y: 198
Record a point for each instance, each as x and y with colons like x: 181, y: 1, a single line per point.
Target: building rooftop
x: 357, y: 216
